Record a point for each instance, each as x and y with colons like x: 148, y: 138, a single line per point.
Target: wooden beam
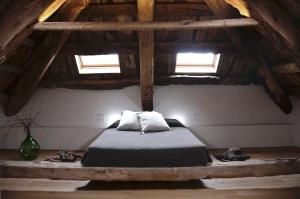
x: 75, y: 171
x: 281, y: 22
x: 129, y: 47
x: 107, y: 84
x: 250, y: 53
x: 50, y: 10
x: 42, y: 58
x: 160, y: 9
x: 138, y: 26
x: 146, y: 49
x: 10, y: 68
x: 16, y: 22
x: 288, y: 68
x: 241, y: 5
x: 206, y: 80
x: 96, y: 84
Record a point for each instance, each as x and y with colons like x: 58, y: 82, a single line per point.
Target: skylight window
x: 94, y: 64
x: 197, y: 62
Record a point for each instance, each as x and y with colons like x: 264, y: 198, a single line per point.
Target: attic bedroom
x: 149, y: 98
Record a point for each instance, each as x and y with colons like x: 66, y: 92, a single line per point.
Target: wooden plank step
x: 74, y: 171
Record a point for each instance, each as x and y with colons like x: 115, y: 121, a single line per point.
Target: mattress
x: 178, y: 147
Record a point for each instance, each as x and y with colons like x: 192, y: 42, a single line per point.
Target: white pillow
x: 129, y: 122
x: 153, y: 121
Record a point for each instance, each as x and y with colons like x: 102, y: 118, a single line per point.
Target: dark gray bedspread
x: 174, y: 148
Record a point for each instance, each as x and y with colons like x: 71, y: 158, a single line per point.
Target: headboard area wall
x: 222, y: 116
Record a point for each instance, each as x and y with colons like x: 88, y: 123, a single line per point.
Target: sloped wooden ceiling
x: 250, y: 55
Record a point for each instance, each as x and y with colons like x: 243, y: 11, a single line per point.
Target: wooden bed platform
x: 263, y: 162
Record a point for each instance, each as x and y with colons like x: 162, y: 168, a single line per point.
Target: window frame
x: 213, y: 67
x: 85, y: 69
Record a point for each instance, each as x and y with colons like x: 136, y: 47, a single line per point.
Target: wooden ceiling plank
x: 13, y: 27
x: 130, y: 47
x: 248, y: 51
x: 10, y: 68
x: 130, y: 9
x: 42, y: 57
x: 3, y: 98
x: 52, y: 8
x: 107, y: 84
x: 281, y: 22
x: 146, y: 54
x: 288, y: 68
x: 138, y: 26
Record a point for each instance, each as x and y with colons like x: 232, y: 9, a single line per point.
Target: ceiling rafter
x: 263, y: 11
x: 248, y: 50
x: 42, y: 58
x: 18, y: 17
x: 131, y: 47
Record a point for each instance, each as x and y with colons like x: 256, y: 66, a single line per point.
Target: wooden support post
x: 146, y: 49
x: 249, y: 51
x: 17, y: 17
x: 42, y: 58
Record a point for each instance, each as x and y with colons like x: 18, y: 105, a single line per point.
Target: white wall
x: 296, y: 121
x: 222, y: 116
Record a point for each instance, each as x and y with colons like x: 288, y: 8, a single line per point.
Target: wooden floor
x: 275, y: 187
x: 270, y: 187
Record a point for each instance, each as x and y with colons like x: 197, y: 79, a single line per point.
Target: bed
x: 178, y: 147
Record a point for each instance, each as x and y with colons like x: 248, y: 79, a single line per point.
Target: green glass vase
x: 29, y: 148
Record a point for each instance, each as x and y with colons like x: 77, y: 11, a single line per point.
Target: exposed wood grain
x: 249, y: 51
x: 288, y: 68
x: 206, y: 79
x: 74, y: 171
x: 91, y: 84
x: 130, y: 47
x: 50, y: 10
x: 241, y: 6
x: 165, y: 8
x: 10, y: 68
x: 138, y: 26
x: 280, y: 22
x: 103, y: 84
x: 146, y: 54
x: 157, y: 193
x: 247, y: 183
x: 287, y: 37
x: 13, y: 27
x: 42, y: 58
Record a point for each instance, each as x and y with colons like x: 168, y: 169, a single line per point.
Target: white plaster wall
x: 222, y: 116
x: 296, y: 121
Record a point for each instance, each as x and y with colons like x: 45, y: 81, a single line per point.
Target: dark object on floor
x: 65, y: 156
x: 233, y: 154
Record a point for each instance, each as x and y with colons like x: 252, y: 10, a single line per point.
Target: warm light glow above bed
x: 197, y: 62
x: 112, y: 117
x: 93, y: 64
